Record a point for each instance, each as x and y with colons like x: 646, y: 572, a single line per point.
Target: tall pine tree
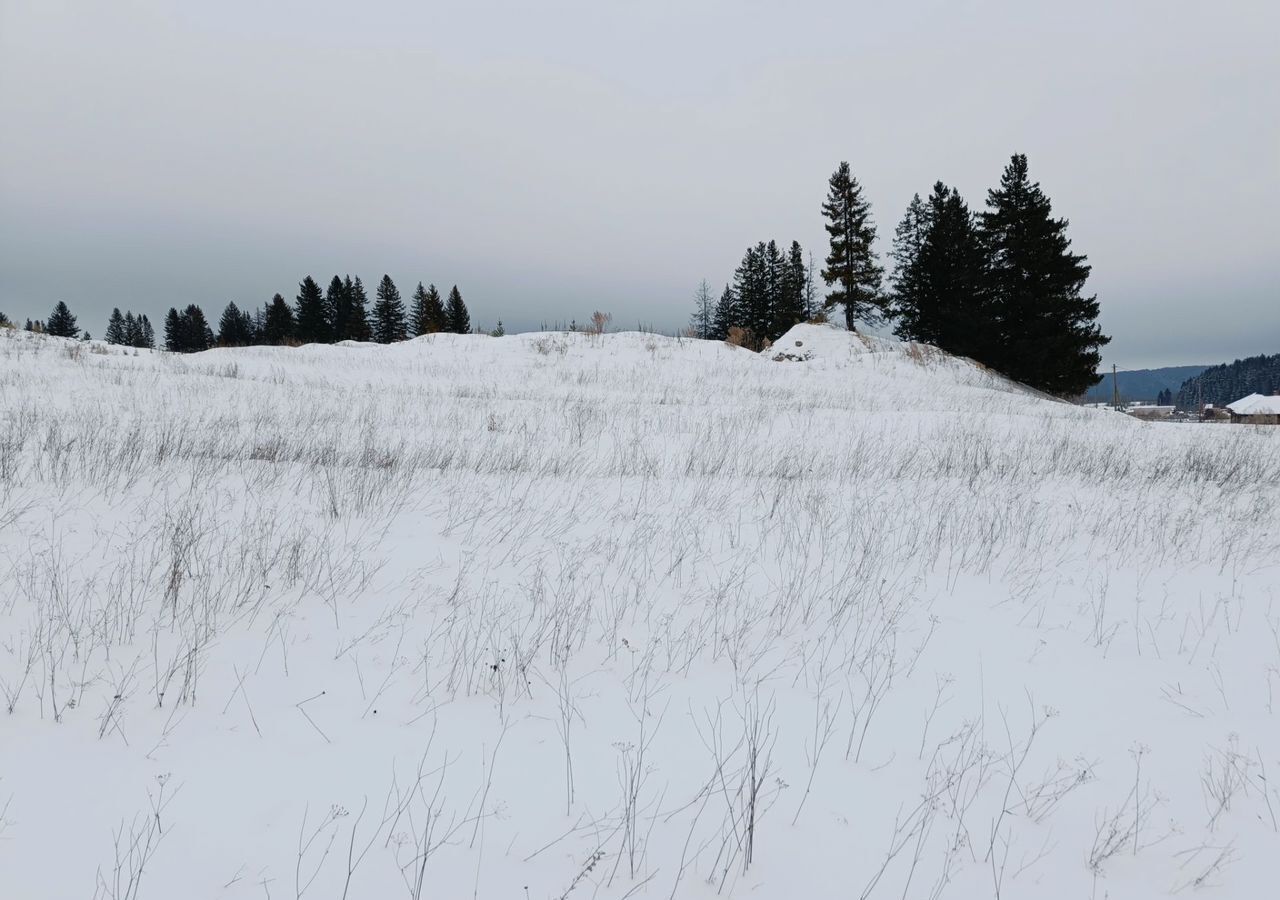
x: 908, y: 238
x: 751, y: 290
x: 358, y: 328
x: 115, y: 333
x: 952, y: 271
x: 311, y: 325
x: 456, y: 317
x: 146, y: 336
x: 138, y: 331
x: 61, y: 322
x: 436, y: 320
x: 1049, y: 337
x: 388, y: 313
x: 790, y: 305
x: 727, y: 315
x: 941, y: 292
x: 197, y: 335
x: 173, y: 332
x: 422, y: 317
x: 337, y: 305
x: 773, y: 271
x: 235, y: 328
x: 277, y: 322
x: 852, y: 271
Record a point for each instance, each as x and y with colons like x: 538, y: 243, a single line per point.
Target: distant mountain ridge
x: 1229, y: 382
x: 1142, y: 384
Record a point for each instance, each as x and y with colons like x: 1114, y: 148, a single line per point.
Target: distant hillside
x: 1229, y: 382
x: 1143, y: 384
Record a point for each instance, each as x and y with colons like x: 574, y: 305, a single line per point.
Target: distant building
x: 1139, y: 410
x: 1256, y: 409
x: 1150, y: 411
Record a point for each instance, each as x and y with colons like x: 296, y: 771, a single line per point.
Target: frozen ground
x: 560, y: 616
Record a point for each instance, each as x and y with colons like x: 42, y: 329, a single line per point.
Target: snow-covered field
x: 562, y: 616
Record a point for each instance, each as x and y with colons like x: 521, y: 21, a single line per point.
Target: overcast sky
x: 556, y: 157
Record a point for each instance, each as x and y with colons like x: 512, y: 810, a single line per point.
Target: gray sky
x: 560, y: 156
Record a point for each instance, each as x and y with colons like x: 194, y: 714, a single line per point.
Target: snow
x: 568, y: 616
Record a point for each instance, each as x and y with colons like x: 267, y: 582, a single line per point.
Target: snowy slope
x: 551, y: 616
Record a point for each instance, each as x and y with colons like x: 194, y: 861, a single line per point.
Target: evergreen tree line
x: 187, y: 331
x: 1164, y: 398
x: 129, y: 330
x: 771, y: 291
x: 1000, y: 286
x: 1229, y: 382
x: 340, y: 313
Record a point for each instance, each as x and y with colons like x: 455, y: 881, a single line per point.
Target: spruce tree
x: 187, y: 331
x: 952, y: 268
x: 749, y: 289
x: 5, y: 321
x: 235, y: 328
x: 198, y: 335
x: 773, y: 271
x: 61, y: 322
x: 420, y: 317
x: 116, y: 333
x: 941, y: 292
x: 277, y: 327
x: 337, y: 303
x: 146, y: 334
x: 174, y: 334
x: 456, y: 317
x: 751, y: 295
x: 727, y: 315
x: 790, y: 305
x: 388, y: 313
x: 436, y: 318
x: 498, y: 331
x: 1049, y: 337
x: 311, y: 325
x: 852, y: 270
x: 132, y: 329
x: 704, y: 311
x: 358, y: 328
x: 908, y: 238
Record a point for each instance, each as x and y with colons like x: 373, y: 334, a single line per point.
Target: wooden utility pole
x: 1115, y: 388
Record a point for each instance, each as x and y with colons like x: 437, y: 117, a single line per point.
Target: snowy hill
x: 565, y: 616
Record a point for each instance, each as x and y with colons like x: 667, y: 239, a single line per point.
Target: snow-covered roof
x: 1256, y: 404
